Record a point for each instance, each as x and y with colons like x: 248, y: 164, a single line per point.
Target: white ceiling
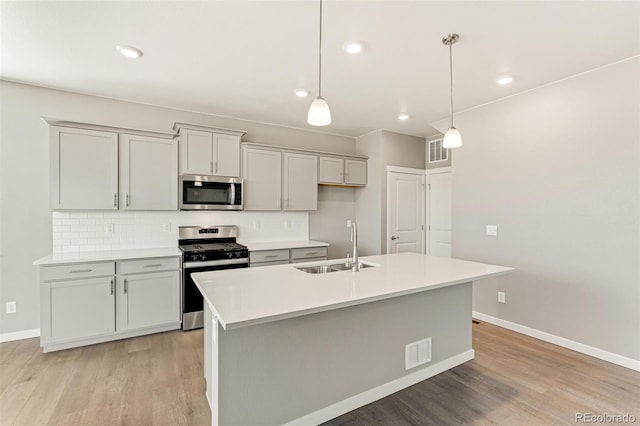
x: 245, y: 58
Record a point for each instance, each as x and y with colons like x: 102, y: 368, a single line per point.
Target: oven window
x: 208, y: 193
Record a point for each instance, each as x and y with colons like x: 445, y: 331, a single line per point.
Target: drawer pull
x: 80, y: 271
x: 271, y: 256
x: 311, y: 253
x: 155, y: 265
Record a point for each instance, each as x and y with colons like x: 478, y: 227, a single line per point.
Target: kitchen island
x: 283, y: 346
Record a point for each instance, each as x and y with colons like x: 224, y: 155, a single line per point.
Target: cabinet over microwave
x: 210, y: 193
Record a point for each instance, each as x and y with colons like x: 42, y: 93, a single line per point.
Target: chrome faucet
x: 354, y: 263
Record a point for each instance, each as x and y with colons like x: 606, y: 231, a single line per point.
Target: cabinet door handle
x: 115, y: 199
x: 126, y: 285
x: 79, y: 271
x: 155, y: 265
x: 211, y: 166
x: 127, y: 200
x: 215, y: 167
x: 346, y: 177
x: 112, y: 286
x: 393, y: 238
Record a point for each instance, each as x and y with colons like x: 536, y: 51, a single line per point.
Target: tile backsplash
x: 93, y: 231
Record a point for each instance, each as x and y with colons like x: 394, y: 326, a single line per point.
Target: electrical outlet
x: 109, y: 228
x: 501, y: 297
x: 287, y: 224
x: 166, y: 227
x: 256, y: 224
x: 11, y: 307
x: 492, y: 230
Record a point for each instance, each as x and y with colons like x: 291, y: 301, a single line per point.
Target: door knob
x: 394, y: 238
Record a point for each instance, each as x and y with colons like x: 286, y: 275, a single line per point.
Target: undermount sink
x: 334, y: 267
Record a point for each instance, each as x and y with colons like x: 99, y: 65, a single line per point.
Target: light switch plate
x: 492, y: 230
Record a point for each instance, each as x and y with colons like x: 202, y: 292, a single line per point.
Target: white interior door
x: 439, y: 209
x: 405, y: 230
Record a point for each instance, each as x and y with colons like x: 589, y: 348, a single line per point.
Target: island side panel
x: 277, y: 372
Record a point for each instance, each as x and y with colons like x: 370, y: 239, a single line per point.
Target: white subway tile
x: 70, y: 221
x: 70, y: 249
x: 78, y: 241
x: 69, y: 235
x: 79, y: 228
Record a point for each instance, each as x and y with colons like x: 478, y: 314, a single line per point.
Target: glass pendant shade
x: 319, y: 114
x: 452, y: 138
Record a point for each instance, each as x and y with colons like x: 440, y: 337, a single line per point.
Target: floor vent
x: 417, y: 353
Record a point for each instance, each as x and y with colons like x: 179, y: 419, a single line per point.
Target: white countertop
x: 276, y: 245
x: 107, y: 255
x: 243, y: 297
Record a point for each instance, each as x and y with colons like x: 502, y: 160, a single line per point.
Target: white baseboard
x: 19, y: 335
x: 371, y: 395
x: 561, y: 341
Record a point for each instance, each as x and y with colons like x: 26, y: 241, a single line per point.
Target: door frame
x: 427, y: 230
x: 409, y: 171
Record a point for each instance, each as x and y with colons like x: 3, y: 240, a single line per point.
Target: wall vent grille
x: 437, y: 153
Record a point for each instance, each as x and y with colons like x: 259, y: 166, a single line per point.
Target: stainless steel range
x: 206, y: 248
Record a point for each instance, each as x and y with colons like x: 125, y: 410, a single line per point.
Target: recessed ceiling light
x: 129, y: 51
x: 301, y: 93
x: 353, y: 47
x: 403, y: 117
x: 505, y: 79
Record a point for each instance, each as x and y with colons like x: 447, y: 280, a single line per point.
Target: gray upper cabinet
x: 262, y: 173
x: 355, y: 172
x: 196, y: 152
x: 343, y: 171
x: 84, y: 169
x: 148, y: 173
x: 209, y: 151
x: 300, y: 182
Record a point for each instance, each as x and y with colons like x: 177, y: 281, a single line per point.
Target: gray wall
x: 25, y: 228
x: 558, y: 170
x: 283, y: 371
x: 329, y: 222
x: 384, y: 148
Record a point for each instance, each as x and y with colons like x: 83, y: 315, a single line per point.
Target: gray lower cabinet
x: 285, y: 256
x: 148, y: 300
x: 87, y: 303
x: 82, y: 308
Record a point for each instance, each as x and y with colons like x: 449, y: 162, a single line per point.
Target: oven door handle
x: 191, y: 265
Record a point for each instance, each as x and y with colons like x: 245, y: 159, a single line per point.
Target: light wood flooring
x: 157, y: 380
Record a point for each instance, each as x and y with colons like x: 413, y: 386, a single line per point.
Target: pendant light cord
x: 320, y: 56
x: 451, y: 80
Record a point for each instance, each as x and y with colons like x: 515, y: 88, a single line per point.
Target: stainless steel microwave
x: 210, y: 193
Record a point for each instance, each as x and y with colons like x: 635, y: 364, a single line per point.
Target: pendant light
x: 452, y: 138
x: 319, y: 114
